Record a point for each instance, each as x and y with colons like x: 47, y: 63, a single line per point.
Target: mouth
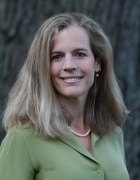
x: 71, y: 79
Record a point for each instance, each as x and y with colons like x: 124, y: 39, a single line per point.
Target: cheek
x: 90, y: 71
x: 53, y: 70
x: 90, y: 68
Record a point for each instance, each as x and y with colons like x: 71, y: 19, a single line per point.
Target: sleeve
x: 15, y: 162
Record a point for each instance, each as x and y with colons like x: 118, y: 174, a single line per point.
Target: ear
x: 97, y: 65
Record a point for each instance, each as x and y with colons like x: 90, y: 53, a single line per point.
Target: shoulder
x: 21, y: 140
x: 20, y: 133
x: 19, y: 136
x: 117, y: 133
x: 114, y: 138
x: 14, y: 150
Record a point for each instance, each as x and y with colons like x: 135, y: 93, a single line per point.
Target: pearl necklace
x: 80, y: 135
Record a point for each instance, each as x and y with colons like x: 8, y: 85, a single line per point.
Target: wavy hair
x: 33, y: 102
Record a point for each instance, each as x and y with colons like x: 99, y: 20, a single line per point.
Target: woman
x: 63, y: 112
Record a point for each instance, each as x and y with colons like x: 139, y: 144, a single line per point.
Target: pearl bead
x: 80, y: 135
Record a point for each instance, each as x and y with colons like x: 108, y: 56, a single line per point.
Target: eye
x: 56, y: 57
x: 80, y: 54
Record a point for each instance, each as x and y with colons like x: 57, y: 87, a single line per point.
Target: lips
x: 71, y: 79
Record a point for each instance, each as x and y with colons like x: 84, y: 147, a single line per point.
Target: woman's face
x: 73, y: 65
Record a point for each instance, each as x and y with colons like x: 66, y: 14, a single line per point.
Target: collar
x: 73, y: 142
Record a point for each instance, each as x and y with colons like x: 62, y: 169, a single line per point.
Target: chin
x: 73, y: 94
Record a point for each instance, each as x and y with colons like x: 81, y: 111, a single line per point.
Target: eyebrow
x: 75, y: 50
x: 80, y: 49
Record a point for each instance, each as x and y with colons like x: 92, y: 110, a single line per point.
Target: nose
x: 69, y: 64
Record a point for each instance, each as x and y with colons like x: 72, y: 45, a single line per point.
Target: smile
x: 71, y: 79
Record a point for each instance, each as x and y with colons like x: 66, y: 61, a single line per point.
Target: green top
x: 26, y: 156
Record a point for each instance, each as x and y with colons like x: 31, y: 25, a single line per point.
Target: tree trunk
x: 20, y: 19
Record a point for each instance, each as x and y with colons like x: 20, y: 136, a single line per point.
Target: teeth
x: 71, y: 79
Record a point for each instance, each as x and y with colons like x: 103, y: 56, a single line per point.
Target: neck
x: 76, y: 107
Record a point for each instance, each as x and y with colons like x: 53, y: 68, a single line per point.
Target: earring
x: 98, y: 73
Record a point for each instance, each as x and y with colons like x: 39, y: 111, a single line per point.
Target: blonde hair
x: 33, y: 101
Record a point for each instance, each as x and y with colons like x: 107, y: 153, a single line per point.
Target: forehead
x: 72, y: 35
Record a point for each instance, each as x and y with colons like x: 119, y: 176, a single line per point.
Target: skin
x: 73, y: 68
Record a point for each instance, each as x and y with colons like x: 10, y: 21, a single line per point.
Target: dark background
x: 20, y: 19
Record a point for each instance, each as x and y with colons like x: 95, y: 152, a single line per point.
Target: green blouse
x: 26, y: 156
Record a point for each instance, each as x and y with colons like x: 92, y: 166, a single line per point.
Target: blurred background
x: 19, y: 21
